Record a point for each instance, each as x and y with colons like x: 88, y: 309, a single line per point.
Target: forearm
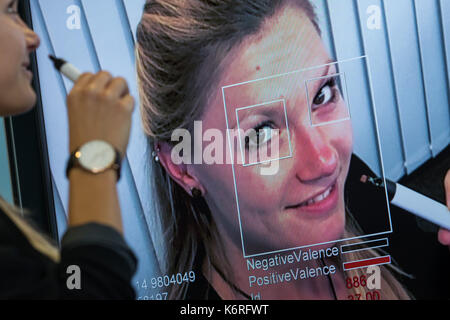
x: 94, y: 198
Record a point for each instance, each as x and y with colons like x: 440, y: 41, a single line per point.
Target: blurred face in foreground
x: 17, y: 41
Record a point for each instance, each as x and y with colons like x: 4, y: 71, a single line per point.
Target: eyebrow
x: 325, y: 72
x: 266, y: 110
x: 324, y: 75
x: 327, y: 67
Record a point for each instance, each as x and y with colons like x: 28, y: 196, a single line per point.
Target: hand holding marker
x: 413, y: 202
x: 99, y: 107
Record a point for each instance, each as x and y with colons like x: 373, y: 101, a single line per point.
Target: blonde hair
x: 39, y: 241
x: 181, y: 47
x: 391, y: 287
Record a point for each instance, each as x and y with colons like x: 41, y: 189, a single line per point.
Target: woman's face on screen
x: 301, y: 201
x: 17, y: 41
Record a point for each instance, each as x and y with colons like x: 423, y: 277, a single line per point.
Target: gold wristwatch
x: 95, y: 157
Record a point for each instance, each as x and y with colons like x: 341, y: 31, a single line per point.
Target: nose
x: 315, y: 157
x: 32, y: 39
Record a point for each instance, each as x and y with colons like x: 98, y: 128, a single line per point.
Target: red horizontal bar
x: 367, y: 262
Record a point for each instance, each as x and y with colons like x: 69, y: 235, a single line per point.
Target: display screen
x: 279, y: 149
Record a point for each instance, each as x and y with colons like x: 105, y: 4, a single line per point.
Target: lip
x: 29, y: 74
x: 322, y: 206
x: 26, y: 68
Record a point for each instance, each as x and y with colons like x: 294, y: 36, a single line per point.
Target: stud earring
x: 196, y: 193
x: 155, y: 155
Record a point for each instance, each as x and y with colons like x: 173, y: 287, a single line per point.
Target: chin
x: 332, y: 232
x: 26, y: 104
x: 335, y: 232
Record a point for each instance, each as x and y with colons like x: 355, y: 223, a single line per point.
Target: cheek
x: 259, y: 194
x: 12, y: 50
x: 7, y: 75
x: 218, y: 183
x: 255, y: 193
x: 16, y: 93
x: 341, y: 136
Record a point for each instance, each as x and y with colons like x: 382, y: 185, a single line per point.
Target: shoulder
x: 10, y: 234
x: 24, y: 272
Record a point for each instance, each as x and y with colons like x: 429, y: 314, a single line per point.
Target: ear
x: 180, y: 173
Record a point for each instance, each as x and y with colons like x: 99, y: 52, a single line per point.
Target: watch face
x: 96, y: 156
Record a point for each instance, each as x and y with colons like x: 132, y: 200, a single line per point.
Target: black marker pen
x: 413, y: 202
x: 66, y: 68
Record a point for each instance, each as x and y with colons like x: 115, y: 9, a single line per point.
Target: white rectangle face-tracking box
x: 338, y: 80
x: 302, y: 203
x: 259, y: 158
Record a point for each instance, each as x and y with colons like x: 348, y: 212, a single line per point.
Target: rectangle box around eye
x: 343, y: 91
x: 287, y: 129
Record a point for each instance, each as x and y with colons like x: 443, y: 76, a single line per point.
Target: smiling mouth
x: 316, y: 199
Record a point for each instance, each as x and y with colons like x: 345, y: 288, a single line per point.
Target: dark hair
x: 181, y: 47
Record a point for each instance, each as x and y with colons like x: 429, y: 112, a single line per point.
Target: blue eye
x: 260, y: 135
x: 326, y: 94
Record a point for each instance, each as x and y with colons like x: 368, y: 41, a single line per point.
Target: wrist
x: 95, y: 157
x: 94, y: 198
x: 78, y: 174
